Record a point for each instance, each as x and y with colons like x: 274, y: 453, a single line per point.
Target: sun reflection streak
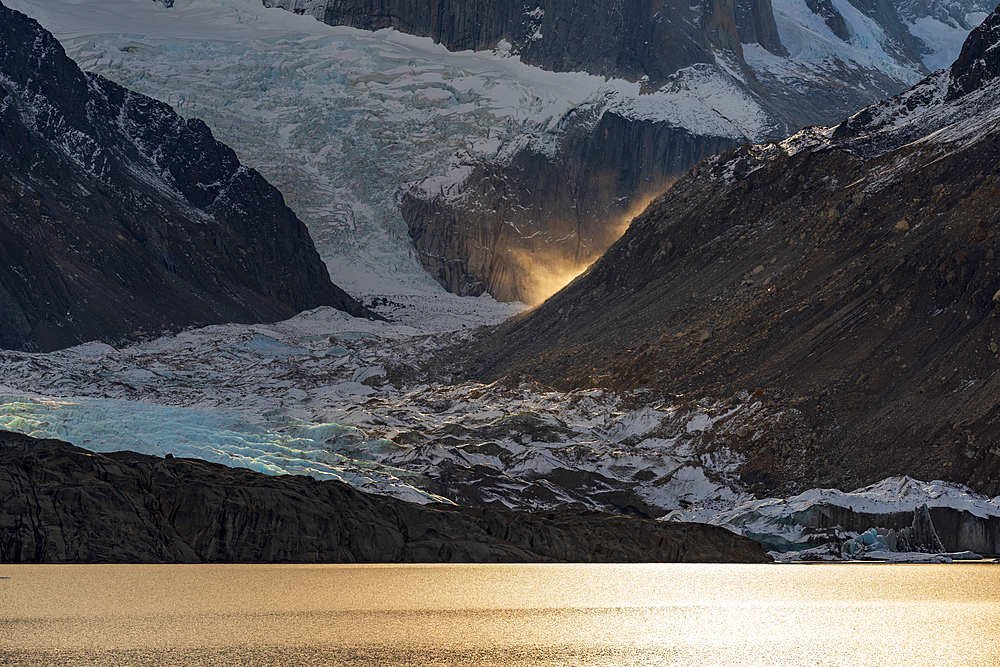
x: 553, y: 615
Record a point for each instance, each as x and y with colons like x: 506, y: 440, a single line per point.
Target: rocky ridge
x: 61, y: 504
x: 845, y: 274
x: 514, y: 228
x: 120, y: 219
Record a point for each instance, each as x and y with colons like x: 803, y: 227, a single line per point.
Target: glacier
x: 317, y: 395
x: 339, y: 120
x: 311, y: 396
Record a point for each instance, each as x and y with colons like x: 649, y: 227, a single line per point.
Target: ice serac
x: 847, y: 272
x: 61, y: 504
x: 120, y: 219
x: 906, y: 515
x: 899, y: 41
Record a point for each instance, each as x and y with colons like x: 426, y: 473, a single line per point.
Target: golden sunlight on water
x: 493, y: 615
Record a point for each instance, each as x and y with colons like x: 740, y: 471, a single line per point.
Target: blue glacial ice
x: 291, y: 446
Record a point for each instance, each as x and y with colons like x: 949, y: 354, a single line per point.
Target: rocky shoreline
x: 63, y: 504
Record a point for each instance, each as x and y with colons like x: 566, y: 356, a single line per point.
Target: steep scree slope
x: 119, y: 218
x: 847, y: 276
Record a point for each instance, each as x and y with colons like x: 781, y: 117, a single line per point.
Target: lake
x: 493, y: 615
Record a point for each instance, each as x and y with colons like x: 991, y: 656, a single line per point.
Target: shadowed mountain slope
x: 846, y: 278
x: 119, y: 218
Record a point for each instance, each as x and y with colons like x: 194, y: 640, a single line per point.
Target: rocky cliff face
x: 121, y: 219
x: 61, y: 504
x: 848, y: 274
x: 520, y: 229
x: 755, y: 25
x: 630, y: 39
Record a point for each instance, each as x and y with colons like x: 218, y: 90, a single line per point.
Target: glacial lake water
x: 492, y: 615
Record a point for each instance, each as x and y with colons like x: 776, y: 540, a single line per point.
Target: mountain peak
x: 979, y: 60
x: 120, y: 218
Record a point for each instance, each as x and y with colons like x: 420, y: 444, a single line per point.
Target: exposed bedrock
x: 522, y: 229
x: 119, y: 218
x: 755, y: 25
x: 622, y: 38
x: 62, y: 504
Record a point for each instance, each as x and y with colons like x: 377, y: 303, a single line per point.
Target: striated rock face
x: 848, y: 274
x: 755, y: 25
x: 62, y: 504
x: 519, y: 230
x: 622, y: 38
x: 121, y: 219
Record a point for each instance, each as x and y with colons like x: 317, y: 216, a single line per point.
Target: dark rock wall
x: 621, y: 38
x: 119, y: 218
x: 755, y: 25
x: 517, y: 225
x: 61, y: 504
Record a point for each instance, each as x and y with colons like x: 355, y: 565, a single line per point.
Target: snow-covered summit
x: 951, y: 105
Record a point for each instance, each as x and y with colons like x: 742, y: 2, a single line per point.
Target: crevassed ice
x: 232, y: 439
x: 339, y: 119
x: 288, y: 398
